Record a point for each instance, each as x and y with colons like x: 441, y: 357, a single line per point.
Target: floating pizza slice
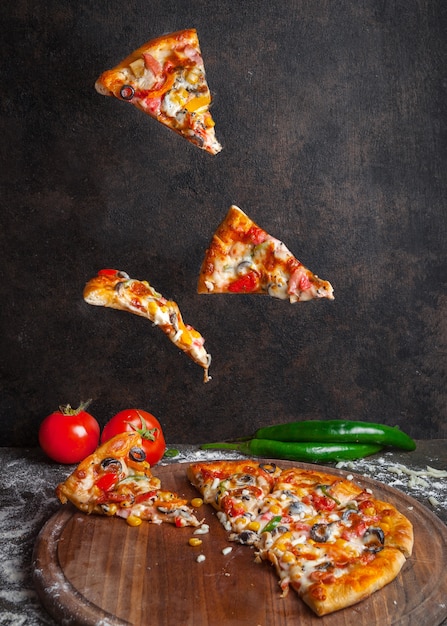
x: 244, y: 258
x: 116, y: 290
x: 116, y: 480
x: 165, y: 78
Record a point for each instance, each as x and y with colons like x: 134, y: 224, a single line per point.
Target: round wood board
x: 97, y: 570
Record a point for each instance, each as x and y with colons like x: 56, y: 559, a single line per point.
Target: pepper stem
x: 223, y: 445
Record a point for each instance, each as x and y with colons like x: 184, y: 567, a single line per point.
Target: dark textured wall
x: 333, y: 120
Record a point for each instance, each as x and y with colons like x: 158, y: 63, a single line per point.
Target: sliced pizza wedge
x: 115, y: 289
x: 116, y: 480
x: 165, y: 78
x: 236, y: 490
x: 244, y: 258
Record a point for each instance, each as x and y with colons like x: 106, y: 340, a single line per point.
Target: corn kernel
x: 180, y: 97
x: 196, y: 502
x: 193, y: 76
x: 288, y: 557
x: 275, y: 509
x: 255, y: 526
x: 152, y: 307
x: 110, y: 509
x: 195, y: 541
x: 133, y: 520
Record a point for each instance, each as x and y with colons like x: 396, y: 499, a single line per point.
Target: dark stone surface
x: 333, y: 122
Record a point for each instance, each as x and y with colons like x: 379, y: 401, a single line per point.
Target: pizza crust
x: 356, y: 585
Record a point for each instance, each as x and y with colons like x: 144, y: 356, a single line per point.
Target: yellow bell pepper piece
x: 199, y: 102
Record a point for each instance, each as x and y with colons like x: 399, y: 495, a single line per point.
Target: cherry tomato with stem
x: 145, y: 424
x: 69, y: 435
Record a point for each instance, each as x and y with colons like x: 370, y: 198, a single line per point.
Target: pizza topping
x: 245, y: 284
x: 374, y: 539
x: 272, y: 524
x: 110, y: 464
x: 321, y: 532
x: 137, y: 454
x: 107, y: 481
x: 127, y: 92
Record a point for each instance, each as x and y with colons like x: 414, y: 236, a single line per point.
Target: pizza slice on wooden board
x: 328, y: 539
x: 234, y: 488
x: 116, y: 480
x: 244, y: 258
x: 165, y: 78
x: 115, y: 289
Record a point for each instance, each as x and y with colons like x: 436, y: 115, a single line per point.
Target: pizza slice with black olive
x: 165, y: 78
x: 244, y: 258
x: 115, y: 289
x: 346, y: 545
x: 116, y: 480
x: 235, y: 489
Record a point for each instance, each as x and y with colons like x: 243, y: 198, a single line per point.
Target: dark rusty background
x: 333, y: 120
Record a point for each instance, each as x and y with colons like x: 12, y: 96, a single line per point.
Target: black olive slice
x: 245, y: 479
x: 247, y: 537
x: 374, y: 539
x: 270, y: 468
x: 111, y: 464
x: 127, y: 92
x: 320, y: 532
x: 137, y: 454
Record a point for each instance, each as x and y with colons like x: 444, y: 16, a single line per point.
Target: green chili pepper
x: 325, y: 490
x: 272, y: 524
x: 312, y: 452
x: 344, y: 431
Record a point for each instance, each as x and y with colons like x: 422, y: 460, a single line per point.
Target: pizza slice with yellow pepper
x: 116, y: 481
x: 116, y: 290
x: 242, y: 258
x: 165, y: 78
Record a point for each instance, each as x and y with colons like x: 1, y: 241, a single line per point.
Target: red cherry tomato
x: 146, y: 424
x: 69, y: 435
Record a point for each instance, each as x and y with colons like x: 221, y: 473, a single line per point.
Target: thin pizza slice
x: 115, y: 289
x: 165, y: 78
x: 235, y: 489
x: 116, y: 480
x: 244, y: 258
x: 329, y: 576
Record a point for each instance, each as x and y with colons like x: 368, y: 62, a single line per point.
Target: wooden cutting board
x: 96, y: 570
